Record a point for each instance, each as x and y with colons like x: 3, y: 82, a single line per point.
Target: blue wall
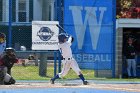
x: 90, y: 22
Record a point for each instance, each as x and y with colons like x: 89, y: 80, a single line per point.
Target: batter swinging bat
x: 65, y: 32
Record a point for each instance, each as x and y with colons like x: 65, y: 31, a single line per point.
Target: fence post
x: 114, y: 39
x: 43, y: 64
x: 10, y: 24
x: 36, y: 59
x: 55, y: 63
x: 59, y: 62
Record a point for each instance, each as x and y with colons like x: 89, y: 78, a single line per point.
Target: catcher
x: 5, y: 78
x: 68, y: 61
x: 7, y: 61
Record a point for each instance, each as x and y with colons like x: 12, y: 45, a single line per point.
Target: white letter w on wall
x: 90, y: 19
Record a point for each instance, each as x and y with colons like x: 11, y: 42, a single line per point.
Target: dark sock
x: 82, y: 77
x: 56, y: 77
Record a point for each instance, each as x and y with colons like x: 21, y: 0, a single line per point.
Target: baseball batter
x: 68, y: 61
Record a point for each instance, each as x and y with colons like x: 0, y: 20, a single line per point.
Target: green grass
x: 32, y: 73
x: 26, y: 73
x: 88, y: 74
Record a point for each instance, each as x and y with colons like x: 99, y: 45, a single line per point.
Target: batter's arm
x: 69, y: 40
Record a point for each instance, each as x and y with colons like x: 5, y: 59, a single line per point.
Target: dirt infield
x: 127, y: 86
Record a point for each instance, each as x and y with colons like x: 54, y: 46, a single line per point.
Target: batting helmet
x: 61, y: 37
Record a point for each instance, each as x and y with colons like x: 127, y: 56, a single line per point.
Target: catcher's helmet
x: 10, y: 50
x: 61, y: 37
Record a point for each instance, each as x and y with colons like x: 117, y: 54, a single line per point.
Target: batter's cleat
x: 85, y: 83
x: 52, y: 81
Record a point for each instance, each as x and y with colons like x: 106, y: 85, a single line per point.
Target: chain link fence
x: 23, y: 12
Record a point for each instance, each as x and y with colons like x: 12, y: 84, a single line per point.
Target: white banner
x: 45, y: 35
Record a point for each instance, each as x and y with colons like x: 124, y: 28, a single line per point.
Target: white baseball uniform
x: 68, y: 61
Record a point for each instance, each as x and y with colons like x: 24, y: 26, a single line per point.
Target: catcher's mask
x: 2, y: 37
x: 10, y: 51
x: 61, y: 37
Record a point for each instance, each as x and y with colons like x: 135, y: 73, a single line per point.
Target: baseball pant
x: 67, y: 64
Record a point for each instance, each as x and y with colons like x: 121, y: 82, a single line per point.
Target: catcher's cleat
x: 85, y: 82
x: 52, y: 81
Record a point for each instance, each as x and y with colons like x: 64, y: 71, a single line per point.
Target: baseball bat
x: 61, y: 28
x: 65, y: 32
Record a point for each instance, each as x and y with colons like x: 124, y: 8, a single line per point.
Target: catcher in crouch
x: 68, y: 61
x: 7, y: 62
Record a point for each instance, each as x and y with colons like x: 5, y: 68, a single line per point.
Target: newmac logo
x: 91, y: 19
x: 45, y: 33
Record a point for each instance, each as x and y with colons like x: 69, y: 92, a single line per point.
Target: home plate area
x: 71, y: 87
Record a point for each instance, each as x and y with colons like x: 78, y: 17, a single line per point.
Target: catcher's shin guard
x: 8, y: 80
x: 11, y: 81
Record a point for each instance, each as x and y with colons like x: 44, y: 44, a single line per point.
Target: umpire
x: 2, y: 48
